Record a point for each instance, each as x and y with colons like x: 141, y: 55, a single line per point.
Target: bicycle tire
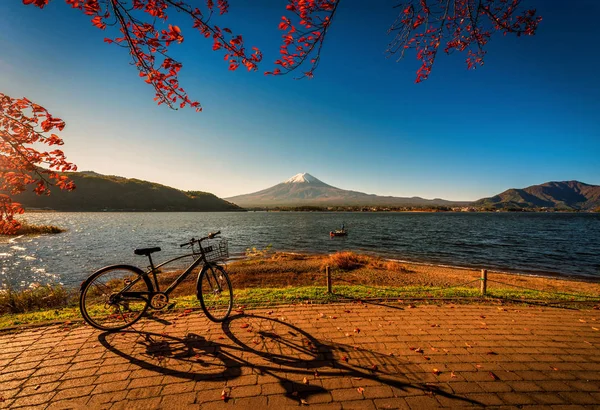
x: 214, y: 292
x: 104, y: 309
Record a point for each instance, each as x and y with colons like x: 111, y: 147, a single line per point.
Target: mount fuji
x: 305, y: 190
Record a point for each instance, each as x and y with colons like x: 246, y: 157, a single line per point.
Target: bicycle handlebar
x: 192, y: 241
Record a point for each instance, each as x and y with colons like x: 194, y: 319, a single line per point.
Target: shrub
x: 347, y: 261
x: 28, y: 229
x: 42, y: 297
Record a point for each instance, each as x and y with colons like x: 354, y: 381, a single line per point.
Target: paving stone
x: 536, y: 363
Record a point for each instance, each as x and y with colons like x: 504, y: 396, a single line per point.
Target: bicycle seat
x: 146, y: 251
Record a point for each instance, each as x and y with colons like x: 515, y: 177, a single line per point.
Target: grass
x: 284, y: 278
x: 257, y: 297
x: 36, y: 299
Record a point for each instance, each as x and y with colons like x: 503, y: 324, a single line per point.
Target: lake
x: 539, y: 243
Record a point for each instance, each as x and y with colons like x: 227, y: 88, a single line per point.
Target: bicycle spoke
x: 216, y: 297
x: 114, y: 298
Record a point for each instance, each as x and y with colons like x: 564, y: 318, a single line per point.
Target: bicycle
x: 117, y: 296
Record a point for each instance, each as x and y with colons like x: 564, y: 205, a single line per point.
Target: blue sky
x: 530, y: 115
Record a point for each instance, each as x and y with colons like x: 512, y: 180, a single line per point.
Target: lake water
x: 565, y: 244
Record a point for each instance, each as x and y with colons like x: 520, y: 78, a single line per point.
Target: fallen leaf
x: 582, y: 321
x: 436, y: 372
x: 322, y: 314
x: 426, y: 358
x: 37, y: 387
x: 554, y: 368
x: 595, y: 328
x: 224, y: 395
x: 478, y: 366
x: 411, y: 306
x: 316, y: 373
x: 361, y: 390
x: 305, y: 380
x: 468, y: 345
x: 356, y: 330
x: 303, y: 402
x: 452, y: 375
x: 344, y: 358
x: 419, y: 350
x: 493, y: 376
x: 374, y: 367
x: 245, y: 325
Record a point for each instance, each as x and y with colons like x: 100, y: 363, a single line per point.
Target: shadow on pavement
x: 269, y: 346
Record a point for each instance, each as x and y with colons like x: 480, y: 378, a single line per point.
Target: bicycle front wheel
x: 115, y: 297
x: 215, y: 293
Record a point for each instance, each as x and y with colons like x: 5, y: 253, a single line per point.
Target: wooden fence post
x: 483, y: 281
x: 328, y: 274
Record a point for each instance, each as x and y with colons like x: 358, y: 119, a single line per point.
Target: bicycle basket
x: 215, y: 249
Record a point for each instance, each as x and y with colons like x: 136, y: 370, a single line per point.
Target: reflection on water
x: 567, y: 244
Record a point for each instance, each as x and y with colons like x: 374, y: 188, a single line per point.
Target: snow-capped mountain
x: 304, y: 189
x: 304, y: 177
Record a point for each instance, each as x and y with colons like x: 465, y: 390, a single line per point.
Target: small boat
x: 339, y: 232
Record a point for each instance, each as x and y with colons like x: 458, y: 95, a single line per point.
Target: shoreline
x: 504, y: 271
x: 299, y: 269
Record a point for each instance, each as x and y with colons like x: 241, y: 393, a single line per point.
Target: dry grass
x: 289, y: 270
x: 28, y: 229
x: 40, y: 298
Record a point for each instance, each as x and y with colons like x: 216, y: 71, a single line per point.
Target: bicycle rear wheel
x: 115, y: 297
x: 215, y: 293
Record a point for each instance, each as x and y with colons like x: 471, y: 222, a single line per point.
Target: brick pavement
x: 339, y: 356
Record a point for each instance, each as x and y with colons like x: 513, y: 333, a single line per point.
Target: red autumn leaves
x: 305, y: 30
x: 422, y: 25
x: 149, y: 46
x: 23, y: 124
x: 463, y: 25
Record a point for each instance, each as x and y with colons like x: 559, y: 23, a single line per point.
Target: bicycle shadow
x: 269, y: 347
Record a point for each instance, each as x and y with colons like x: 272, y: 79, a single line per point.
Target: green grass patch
x: 314, y: 294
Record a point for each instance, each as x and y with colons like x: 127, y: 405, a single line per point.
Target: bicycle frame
x: 180, y: 278
x: 201, y: 259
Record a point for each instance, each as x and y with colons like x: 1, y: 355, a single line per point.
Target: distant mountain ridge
x: 565, y: 195
x: 97, y: 192
x: 305, y: 190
